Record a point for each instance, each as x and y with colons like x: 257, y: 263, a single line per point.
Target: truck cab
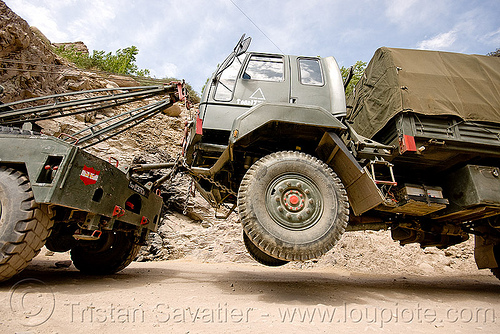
x: 250, y: 80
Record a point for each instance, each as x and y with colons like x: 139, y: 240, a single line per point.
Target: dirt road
x: 185, y: 296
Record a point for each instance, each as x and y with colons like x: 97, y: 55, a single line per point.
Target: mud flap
x: 362, y: 191
x: 484, y: 253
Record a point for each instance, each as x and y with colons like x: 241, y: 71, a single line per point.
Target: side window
x: 266, y: 68
x: 310, y: 72
x: 227, y: 80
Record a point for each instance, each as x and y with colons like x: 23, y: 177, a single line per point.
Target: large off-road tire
x: 111, y: 253
x: 259, y: 255
x: 24, y: 225
x: 292, y: 206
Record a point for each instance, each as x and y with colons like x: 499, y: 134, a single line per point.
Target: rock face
x: 77, y: 46
x: 28, y: 68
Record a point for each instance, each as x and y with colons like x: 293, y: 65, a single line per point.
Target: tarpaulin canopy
x: 425, y: 82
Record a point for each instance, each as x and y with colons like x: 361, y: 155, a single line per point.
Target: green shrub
x: 121, y: 62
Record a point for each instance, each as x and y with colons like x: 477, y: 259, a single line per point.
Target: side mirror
x: 242, y: 45
x: 238, y: 50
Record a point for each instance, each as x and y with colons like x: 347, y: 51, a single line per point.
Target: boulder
x: 123, y: 81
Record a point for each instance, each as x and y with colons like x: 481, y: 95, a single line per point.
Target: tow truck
x: 54, y: 193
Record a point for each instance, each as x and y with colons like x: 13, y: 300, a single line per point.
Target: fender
x: 265, y: 113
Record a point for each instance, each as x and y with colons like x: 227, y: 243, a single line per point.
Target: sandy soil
x: 188, y: 296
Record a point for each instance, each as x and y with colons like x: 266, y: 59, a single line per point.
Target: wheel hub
x: 294, y: 201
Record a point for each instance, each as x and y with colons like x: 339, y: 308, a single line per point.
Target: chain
x: 207, y: 178
x: 190, y: 194
x: 218, y: 185
x: 180, y: 163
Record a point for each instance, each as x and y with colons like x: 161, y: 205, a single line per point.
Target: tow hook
x: 87, y: 234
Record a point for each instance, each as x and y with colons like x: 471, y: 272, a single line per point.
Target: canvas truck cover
x: 425, y: 82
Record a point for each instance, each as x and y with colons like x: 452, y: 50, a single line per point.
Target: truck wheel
x: 112, y: 252
x: 24, y: 225
x: 259, y: 255
x: 292, y: 206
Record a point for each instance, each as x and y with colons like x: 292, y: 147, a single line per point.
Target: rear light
x: 407, y: 144
x: 199, y: 125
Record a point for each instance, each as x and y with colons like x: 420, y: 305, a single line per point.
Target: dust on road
x: 187, y: 296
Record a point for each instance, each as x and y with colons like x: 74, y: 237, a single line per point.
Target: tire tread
x: 19, y: 245
x: 249, y: 224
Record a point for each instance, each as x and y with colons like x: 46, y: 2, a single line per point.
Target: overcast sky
x: 188, y: 38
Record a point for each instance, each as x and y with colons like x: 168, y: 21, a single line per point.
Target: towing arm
x: 60, y: 105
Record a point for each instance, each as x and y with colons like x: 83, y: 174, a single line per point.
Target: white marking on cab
x: 258, y: 95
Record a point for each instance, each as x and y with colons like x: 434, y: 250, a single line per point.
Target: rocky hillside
x: 28, y: 68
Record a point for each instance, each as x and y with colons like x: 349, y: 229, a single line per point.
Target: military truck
x: 416, y: 149
x: 54, y: 193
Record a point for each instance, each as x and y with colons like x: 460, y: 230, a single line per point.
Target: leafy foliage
x: 193, y: 95
x: 358, y: 68
x: 205, y: 85
x: 80, y: 59
x: 121, y: 62
x: 495, y: 53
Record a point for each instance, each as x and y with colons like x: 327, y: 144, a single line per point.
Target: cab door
x: 308, y: 83
x: 264, y: 79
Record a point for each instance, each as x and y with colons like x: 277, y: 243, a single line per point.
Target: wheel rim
x: 294, y: 202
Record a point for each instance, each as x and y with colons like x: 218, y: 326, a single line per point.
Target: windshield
x: 225, y: 77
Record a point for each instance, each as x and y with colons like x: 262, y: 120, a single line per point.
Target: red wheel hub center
x: 294, y: 200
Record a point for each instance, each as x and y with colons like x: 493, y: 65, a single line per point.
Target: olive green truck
x: 54, y: 193
x: 415, y: 149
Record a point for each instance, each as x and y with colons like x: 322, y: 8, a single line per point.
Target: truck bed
x: 441, y: 143
x: 65, y: 175
x: 440, y: 109
x: 441, y: 85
